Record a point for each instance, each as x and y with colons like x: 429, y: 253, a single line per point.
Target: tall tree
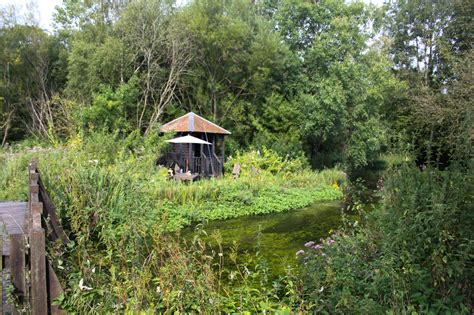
x: 343, y: 82
x: 32, y: 71
x: 237, y: 60
x: 162, y: 52
x: 432, y: 51
x: 427, y: 35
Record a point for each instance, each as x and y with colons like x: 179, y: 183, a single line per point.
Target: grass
x: 118, y: 209
x: 406, y: 256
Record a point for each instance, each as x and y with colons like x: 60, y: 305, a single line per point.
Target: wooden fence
x: 35, y: 284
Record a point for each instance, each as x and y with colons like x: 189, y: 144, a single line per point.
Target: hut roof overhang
x: 192, y: 122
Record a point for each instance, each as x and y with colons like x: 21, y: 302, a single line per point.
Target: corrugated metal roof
x: 192, y: 122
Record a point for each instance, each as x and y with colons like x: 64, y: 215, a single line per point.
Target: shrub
x: 413, y: 254
x: 266, y: 162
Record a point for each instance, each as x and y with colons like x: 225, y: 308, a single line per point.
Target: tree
x: 344, y: 82
x: 441, y: 124
x: 428, y: 36
x: 432, y: 48
x: 162, y: 54
x: 32, y: 71
x: 237, y: 62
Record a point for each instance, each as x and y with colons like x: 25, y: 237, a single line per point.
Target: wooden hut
x: 198, y: 147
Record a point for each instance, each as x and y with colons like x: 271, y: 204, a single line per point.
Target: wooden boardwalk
x: 12, y: 221
x: 26, y: 273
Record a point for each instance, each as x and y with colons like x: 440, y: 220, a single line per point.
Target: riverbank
x: 118, y: 210
x: 114, y: 185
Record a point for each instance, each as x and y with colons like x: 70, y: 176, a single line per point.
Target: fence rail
x: 35, y: 284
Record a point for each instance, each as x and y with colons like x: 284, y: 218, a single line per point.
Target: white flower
x: 322, y: 289
x: 82, y: 286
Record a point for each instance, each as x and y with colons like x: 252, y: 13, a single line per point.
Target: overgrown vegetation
x: 413, y: 255
x: 118, y: 207
x: 301, y: 84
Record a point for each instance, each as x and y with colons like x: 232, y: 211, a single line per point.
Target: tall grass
x: 118, y: 209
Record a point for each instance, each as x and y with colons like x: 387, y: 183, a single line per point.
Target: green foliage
x: 290, y: 76
x: 428, y: 37
x: 265, y: 162
x: 32, y: 70
x: 12, y: 175
x: 441, y: 124
x: 299, y: 82
x: 111, y: 110
x: 411, y: 255
x: 240, y: 60
x: 432, y: 53
x: 118, y: 209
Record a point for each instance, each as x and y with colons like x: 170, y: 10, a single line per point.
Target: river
x: 277, y: 236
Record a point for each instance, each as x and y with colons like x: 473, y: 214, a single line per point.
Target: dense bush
x: 266, y: 161
x: 415, y: 254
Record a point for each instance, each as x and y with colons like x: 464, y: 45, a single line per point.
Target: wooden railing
x: 212, y: 165
x: 197, y: 165
x: 204, y: 165
x: 34, y: 281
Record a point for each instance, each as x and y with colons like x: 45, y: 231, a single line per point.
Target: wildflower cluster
x: 318, y: 247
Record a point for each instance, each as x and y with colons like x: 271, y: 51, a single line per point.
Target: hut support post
x: 201, y: 154
x: 216, y: 170
x: 180, y: 155
x: 190, y: 158
x: 222, y: 154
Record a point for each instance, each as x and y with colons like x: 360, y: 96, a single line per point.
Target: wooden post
x: 214, y: 144
x: 190, y: 158
x: 50, y: 212
x: 222, y: 154
x: 1, y: 274
x: 180, y: 154
x: 54, y: 290
x: 213, y: 156
x: 39, y: 296
x: 17, y: 266
x: 202, y: 159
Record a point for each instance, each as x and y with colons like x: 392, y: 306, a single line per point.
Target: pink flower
x: 300, y: 252
x: 309, y: 244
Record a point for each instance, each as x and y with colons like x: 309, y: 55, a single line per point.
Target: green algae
x: 275, y: 236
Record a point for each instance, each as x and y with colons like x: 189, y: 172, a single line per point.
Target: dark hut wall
x: 206, y: 160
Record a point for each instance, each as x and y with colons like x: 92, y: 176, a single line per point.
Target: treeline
x: 337, y: 82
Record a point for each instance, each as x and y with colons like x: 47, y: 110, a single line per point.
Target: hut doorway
x: 197, y: 150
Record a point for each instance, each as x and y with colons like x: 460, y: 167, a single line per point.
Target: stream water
x: 278, y: 236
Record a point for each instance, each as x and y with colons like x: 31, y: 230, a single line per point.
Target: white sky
x: 45, y: 8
